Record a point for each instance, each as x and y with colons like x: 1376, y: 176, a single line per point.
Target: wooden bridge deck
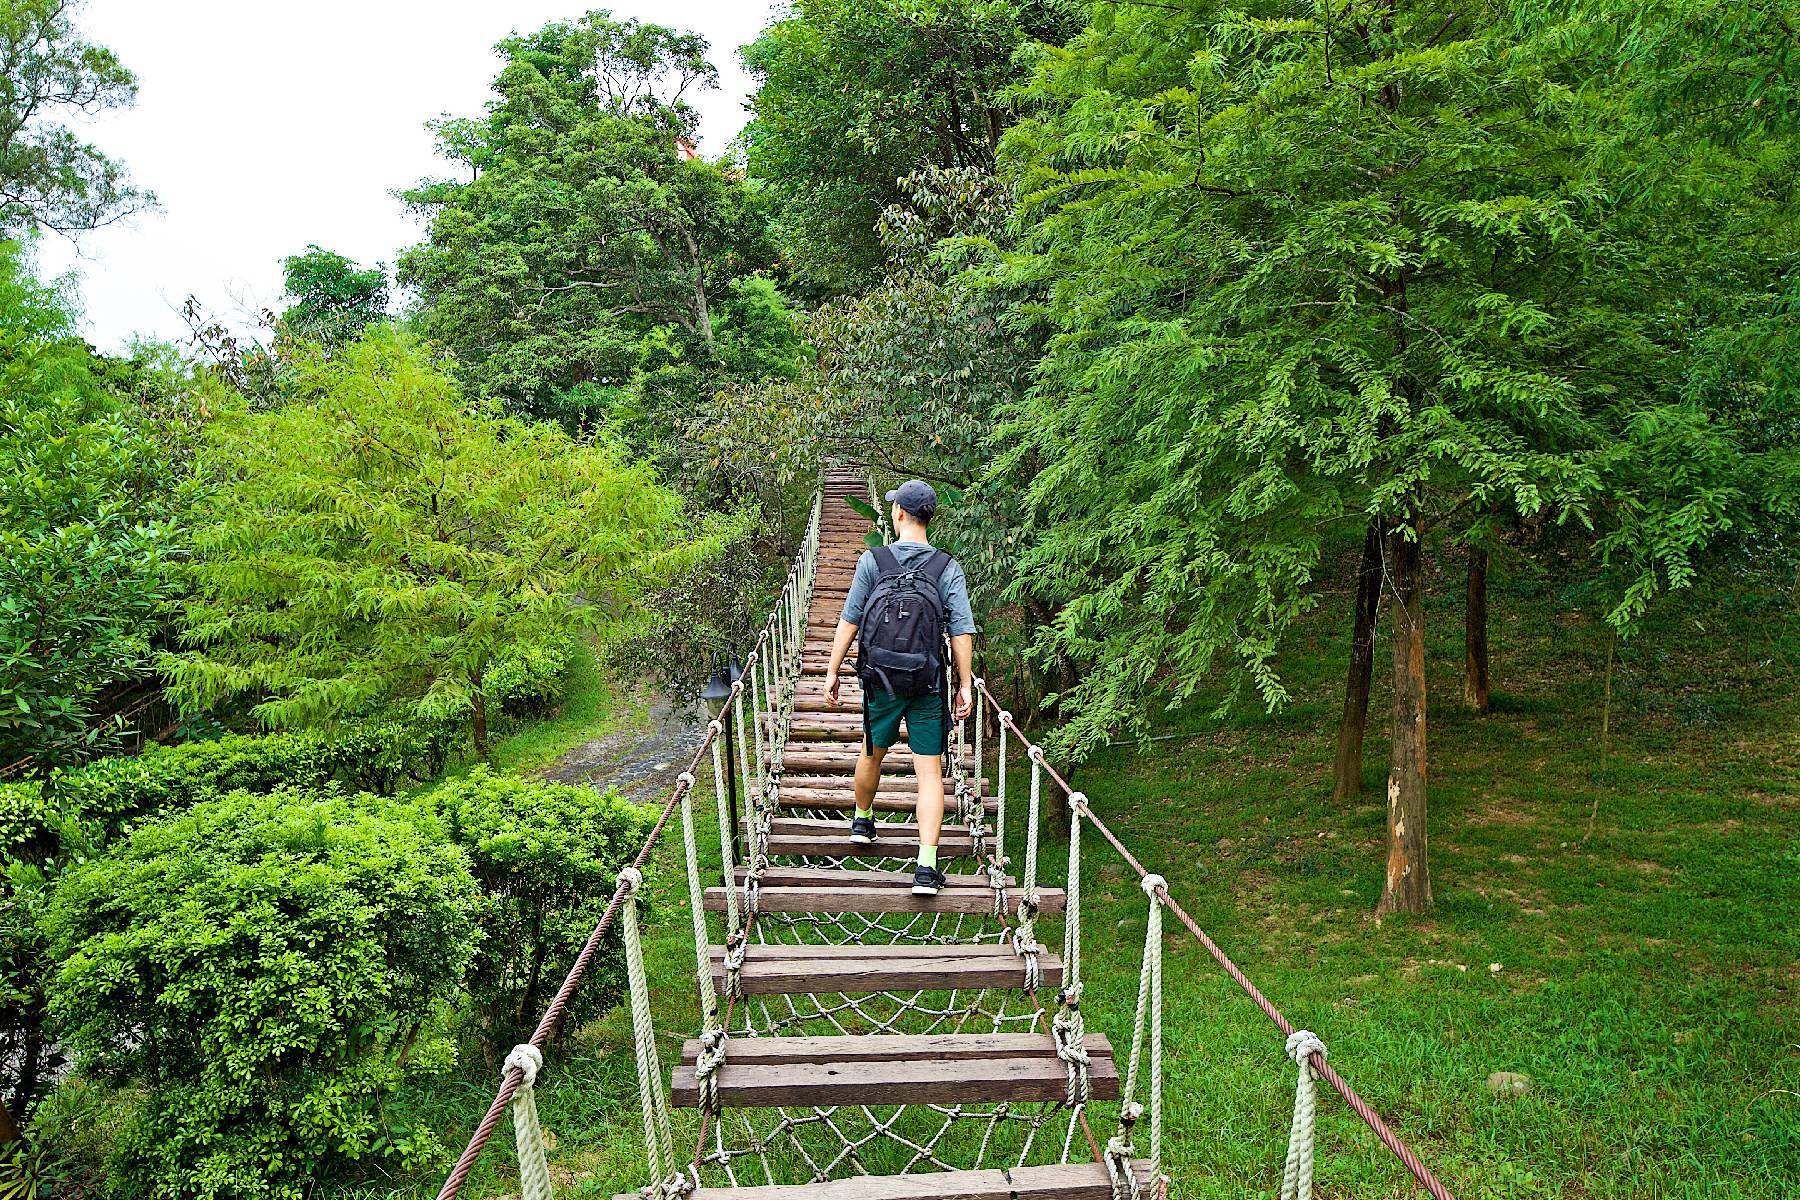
x: 865, y: 1069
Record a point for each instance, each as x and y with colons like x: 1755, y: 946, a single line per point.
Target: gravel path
x: 643, y: 761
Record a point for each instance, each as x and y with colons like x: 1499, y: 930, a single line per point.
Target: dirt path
x: 641, y: 761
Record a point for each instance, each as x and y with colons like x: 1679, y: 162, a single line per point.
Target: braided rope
x: 709, y: 1001
x: 1297, y: 1172
x: 534, y: 1169
x: 659, y: 1138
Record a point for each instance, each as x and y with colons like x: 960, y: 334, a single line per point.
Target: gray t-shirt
x: 953, y: 586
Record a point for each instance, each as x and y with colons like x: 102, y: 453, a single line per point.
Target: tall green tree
x: 49, y: 177
x: 584, y: 267
x: 384, y: 544
x: 1308, y: 268
x: 334, y: 300
x: 90, y: 503
x: 853, y: 95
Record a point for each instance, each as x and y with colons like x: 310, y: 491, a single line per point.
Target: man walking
x: 903, y: 600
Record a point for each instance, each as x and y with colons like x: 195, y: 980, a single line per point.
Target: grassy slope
x: 1646, y: 979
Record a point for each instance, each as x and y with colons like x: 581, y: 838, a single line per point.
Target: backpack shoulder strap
x: 936, y: 565
x: 886, y: 561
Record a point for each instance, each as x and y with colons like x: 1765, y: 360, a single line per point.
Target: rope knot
x: 686, y: 778
x: 1036, y: 755
x: 1302, y: 1044
x: 716, y: 728
x: 1078, y: 802
x: 1151, y: 883
x: 631, y: 879
x: 1006, y: 717
x: 529, y: 1060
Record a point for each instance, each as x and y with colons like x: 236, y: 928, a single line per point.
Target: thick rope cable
x: 1068, y: 1030
x: 1323, y: 1070
x: 534, y: 1168
x: 659, y: 1137
x: 1297, y: 1172
x: 709, y: 1000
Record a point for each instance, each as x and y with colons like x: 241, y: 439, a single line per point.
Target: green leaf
x: 863, y: 507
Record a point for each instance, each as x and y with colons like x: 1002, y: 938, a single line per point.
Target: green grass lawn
x: 1644, y: 979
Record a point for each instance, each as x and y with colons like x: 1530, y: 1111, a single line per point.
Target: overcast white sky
x: 263, y: 127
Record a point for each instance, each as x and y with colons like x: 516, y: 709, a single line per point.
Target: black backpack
x: 901, y: 639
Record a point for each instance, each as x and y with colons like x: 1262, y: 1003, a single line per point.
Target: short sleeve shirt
x: 953, y: 586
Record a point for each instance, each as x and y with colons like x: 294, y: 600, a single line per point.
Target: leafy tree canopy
x: 90, y: 497
x: 384, y: 544
x: 1301, y: 270
x: 581, y: 268
x: 334, y: 300
x: 854, y: 94
x: 49, y: 177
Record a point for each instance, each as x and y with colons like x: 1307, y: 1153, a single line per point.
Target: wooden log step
x: 1074, y: 1181
x: 981, y: 1068
x: 831, y: 839
x: 809, y: 970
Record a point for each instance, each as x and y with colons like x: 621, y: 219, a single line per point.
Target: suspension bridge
x: 857, y: 1042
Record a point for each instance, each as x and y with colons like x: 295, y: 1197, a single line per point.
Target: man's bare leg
x: 928, y: 809
x: 868, y: 777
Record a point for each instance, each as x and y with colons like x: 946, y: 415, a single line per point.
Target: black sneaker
x: 862, y: 830
x: 927, y: 881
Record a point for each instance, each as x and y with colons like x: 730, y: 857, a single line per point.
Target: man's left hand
x: 965, y: 702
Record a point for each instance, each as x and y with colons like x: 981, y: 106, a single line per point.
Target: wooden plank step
x: 1074, y: 1181
x: 980, y: 1068
x: 835, y: 890
x: 808, y: 970
x: 831, y: 839
x: 844, y: 799
x: 809, y: 757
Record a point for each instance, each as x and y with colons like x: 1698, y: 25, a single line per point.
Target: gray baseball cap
x: 916, y: 497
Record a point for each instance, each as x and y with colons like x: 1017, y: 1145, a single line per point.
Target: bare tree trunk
x: 1346, y: 771
x: 9, y: 1130
x: 1407, y: 886
x: 1475, y: 633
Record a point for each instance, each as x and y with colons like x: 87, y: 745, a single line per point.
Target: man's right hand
x: 831, y: 686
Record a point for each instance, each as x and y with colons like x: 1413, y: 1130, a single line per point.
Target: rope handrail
x: 1315, y: 1059
x: 513, y: 1075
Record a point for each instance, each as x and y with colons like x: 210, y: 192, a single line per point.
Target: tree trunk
x: 1475, y: 633
x: 1407, y: 886
x: 1346, y: 772
x: 702, y: 313
x: 479, y: 727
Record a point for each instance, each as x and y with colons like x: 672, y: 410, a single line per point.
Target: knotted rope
x: 1297, y: 1173
x: 659, y: 1138
x: 534, y: 1170
x: 1024, y: 934
x: 1068, y: 1029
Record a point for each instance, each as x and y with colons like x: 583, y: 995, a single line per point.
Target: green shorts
x: 926, y: 719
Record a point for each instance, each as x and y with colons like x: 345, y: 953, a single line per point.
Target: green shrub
x: 528, y: 680
x: 547, y: 856
x: 264, y: 964
x: 118, y: 791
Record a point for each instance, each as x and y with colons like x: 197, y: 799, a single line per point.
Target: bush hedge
x: 265, y: 965
x: 547, y: 857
